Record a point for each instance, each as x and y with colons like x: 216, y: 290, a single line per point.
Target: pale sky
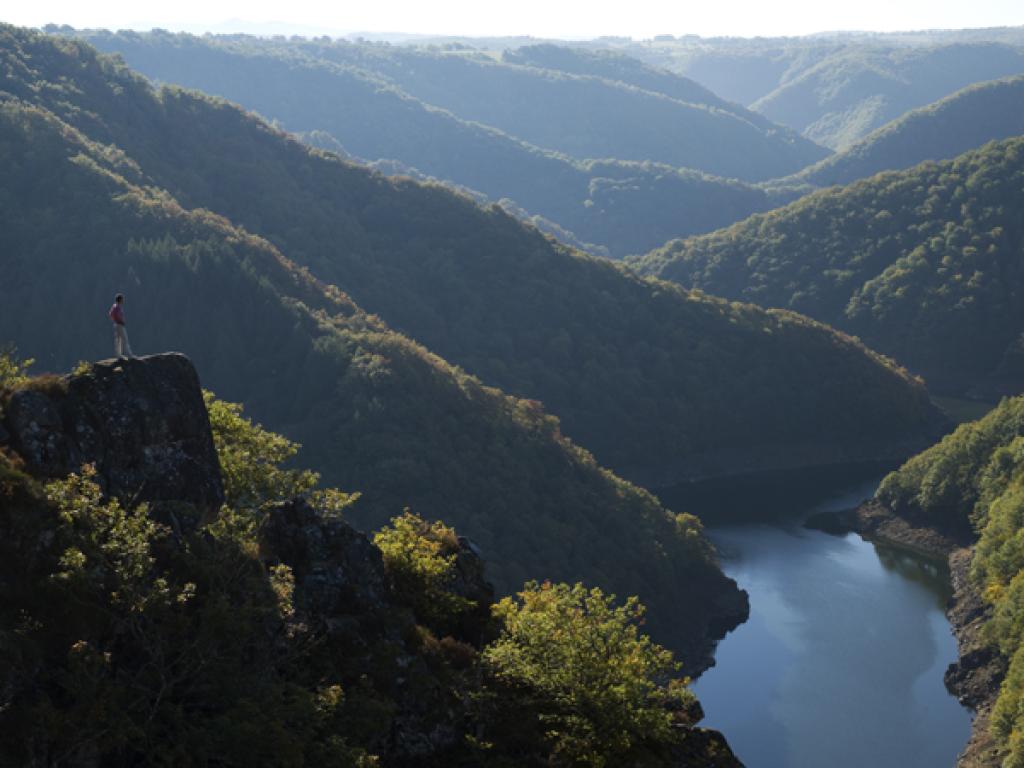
x: 539, y: 18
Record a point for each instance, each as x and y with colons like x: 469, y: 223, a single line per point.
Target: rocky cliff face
x: 140, y: 421
x: 343, y: 598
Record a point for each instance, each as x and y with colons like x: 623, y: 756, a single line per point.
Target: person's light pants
x: 121, y: 346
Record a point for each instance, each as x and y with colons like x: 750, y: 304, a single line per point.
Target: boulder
x: 337, y: 570
x: 141, y: 422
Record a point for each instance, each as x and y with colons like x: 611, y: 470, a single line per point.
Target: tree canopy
x: 923, y: 264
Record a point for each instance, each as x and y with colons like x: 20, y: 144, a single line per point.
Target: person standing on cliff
x: 121, y: 346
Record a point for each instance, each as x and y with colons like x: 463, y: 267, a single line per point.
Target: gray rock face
x: 140, y: 421
x: 343, y: 597
x: 337, y: 570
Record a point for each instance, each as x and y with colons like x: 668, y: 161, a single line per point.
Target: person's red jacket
x: 117, y: 313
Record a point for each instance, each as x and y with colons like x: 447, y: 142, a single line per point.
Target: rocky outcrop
x: 140, y: 421
x: 343, y: 598
x: 337, y: 570
x: 728, y: 609
x: 706, y: 748
x: 979, y: 671
x: 876, y: 522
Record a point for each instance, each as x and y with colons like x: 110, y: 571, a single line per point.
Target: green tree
x: 419, y: 556
x: 602, y: 691
x: 252, y: 459
x: 12, y: 369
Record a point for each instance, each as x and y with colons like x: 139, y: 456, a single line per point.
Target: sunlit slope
x: 925, y: 265
x: 963, y: 121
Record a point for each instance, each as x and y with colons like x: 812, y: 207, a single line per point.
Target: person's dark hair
x: 119, y: 298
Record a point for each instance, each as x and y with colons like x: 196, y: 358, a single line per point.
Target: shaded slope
x: 660, y: 384
x: 375, y: 411
x: 960, y: 122
x: 367, y: 115
x: 926, y: 264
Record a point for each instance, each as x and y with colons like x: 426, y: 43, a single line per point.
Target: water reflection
x: 841, y: 662
x: 932, y: 574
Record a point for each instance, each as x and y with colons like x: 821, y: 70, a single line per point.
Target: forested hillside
x: 608, y: 118
x: 951, y: 126
x: 617, y: 67
x: 616, y: 205
x: 853, y: 91
x: 376, y: 412
x: 836, y: 89
x: 926, y: 265
x: 662, y: 385
x: 973, y: 483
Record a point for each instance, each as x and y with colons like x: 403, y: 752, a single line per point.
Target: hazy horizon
x: 531, y: 18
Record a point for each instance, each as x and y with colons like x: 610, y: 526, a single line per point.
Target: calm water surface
x: 841, y: 662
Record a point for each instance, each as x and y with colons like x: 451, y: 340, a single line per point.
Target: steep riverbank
x: 975, y: 678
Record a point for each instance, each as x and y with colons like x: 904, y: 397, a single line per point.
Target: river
x: 842, y: 659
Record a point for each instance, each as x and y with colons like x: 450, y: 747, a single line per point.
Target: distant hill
x: 582, y: 115
x: 925, y: 264
x: 855, y: 90
x: 618, y: 67
x: 838, y: 88
x: 350, y: 100
x: 965, y: 120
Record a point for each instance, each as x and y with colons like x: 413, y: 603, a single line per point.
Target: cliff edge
x: 140, y: 421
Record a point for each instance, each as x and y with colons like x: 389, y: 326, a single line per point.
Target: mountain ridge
x: 372, y: 117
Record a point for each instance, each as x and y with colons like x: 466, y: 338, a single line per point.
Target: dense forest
x: 972, y: 484
x: 960, y: 122
x: 350, y: 93
x: 924, y: 265
x: 268, y: 631
x: 609, y: 118
x: 375, y: 411
x: 660, y: 384
x: 838, y: 89
x: 851, y: 92
x: 617, y: 67
x: 423, y: 111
